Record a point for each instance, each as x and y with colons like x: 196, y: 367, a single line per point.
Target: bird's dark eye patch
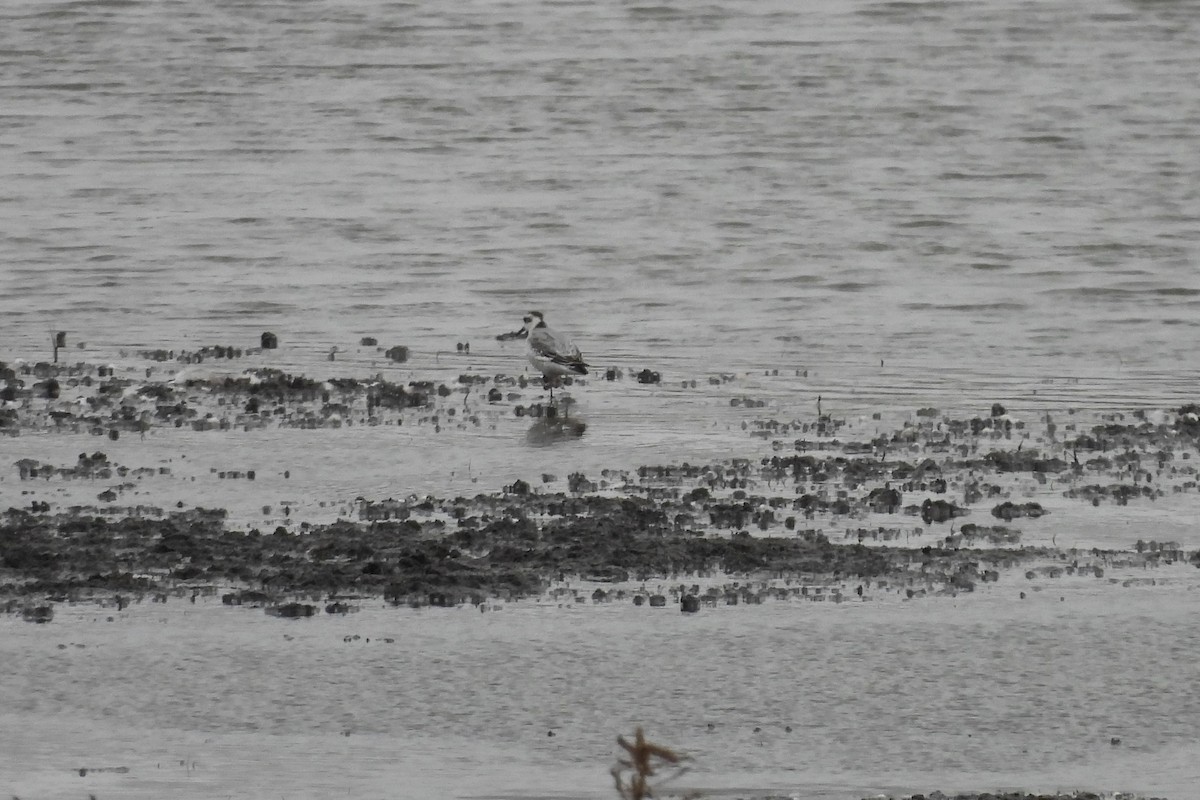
x: 529, y: 319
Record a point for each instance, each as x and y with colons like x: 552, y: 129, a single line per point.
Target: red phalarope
x: 551, y: 352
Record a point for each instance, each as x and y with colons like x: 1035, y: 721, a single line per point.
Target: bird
x: 551, y: 352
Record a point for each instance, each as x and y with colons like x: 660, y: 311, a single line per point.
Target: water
x: 975, y: 693
x: 976, y: 194
x: 892, y: 204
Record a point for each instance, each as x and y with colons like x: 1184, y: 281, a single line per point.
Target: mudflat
x: 166, y: 481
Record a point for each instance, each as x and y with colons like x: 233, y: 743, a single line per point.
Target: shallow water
x: 894, y: 205
x: 984, y: 197
x: 981, y: 691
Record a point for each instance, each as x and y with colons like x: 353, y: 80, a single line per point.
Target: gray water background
x: 893, y: 204
x: 977, y: 194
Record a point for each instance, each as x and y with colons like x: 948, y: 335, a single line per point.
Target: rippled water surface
x: 982, y: 193
x: 893, y: 204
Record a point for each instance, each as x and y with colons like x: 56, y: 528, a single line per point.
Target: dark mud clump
x: 292, y: 610
x: 1009, y: 510
x: 773, y: 515
x: 108, y: 404
x: 736, y: 517
x: 508, y: 546
x: 38, y: 614
x: 444, y: 552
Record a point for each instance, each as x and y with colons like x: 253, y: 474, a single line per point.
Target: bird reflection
x: 550, y: 431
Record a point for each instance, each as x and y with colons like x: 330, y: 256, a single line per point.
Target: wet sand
x: 810, y: 509
x: 200, y: 700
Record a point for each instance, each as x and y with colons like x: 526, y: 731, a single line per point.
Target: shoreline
x: 828, y: 508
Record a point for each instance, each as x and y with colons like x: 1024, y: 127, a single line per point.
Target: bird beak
x: 521, y: 334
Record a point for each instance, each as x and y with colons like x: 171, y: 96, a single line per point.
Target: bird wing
x: 554, y: 346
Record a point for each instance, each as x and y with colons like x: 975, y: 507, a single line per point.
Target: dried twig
x: 640, y: 764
